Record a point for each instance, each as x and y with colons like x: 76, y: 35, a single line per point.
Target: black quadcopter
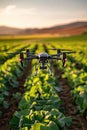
x: 44, y: 58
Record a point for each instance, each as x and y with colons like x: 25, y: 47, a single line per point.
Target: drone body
x: 44, y: 58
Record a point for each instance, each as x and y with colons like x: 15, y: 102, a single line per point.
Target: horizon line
x: 60, y: 24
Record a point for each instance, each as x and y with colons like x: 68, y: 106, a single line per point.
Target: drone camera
x: 43, y: 67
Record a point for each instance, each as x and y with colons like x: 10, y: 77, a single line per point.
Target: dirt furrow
x: 4, y: 121
x: 78, y: 122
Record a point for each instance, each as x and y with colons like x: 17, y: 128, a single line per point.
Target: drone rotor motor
x: 27, y: 52
x: 58, y: 51
x: 21, y: 58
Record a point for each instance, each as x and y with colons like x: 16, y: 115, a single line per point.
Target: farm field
x: 56, y: 101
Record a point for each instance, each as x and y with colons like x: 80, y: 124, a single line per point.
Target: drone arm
x: 55, y: 58
x: 31, y: 58
x: 56, y: 55
x: 61, y: 53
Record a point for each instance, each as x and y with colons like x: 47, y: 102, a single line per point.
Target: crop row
x: 40, y: 106
x: 9, y: 72
x: 78, y: 83
x: 76, y: 74
x: 4, y: 56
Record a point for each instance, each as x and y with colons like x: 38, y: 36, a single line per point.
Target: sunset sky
x: 41, y: 13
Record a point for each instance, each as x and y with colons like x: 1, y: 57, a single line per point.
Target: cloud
x: 22, y: 11
x: 14, y: 10
x: 8, y: 9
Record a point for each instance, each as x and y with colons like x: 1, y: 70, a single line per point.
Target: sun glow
x: 40, y: 14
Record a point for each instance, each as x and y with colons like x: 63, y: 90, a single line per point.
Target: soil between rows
x: 78, y: 122
x: 4, y: 121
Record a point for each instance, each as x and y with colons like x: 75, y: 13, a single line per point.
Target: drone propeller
x: 59, y: 49
x: 68, y: 52
x: 27, y: 52
x: 31, y: 57
x: 61, y: 53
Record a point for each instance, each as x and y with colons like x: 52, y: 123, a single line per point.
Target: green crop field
x: 46, y: 101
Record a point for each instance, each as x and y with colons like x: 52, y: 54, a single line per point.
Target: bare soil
x: 4, y: 121
x: 78, y: 121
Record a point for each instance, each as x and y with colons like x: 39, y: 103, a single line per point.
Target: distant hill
x: 66, y: 29
x: 4, y: 30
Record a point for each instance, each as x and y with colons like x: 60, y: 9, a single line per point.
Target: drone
x: 44, y: 58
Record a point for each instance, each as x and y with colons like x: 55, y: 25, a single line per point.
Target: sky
x: 41, y: 13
